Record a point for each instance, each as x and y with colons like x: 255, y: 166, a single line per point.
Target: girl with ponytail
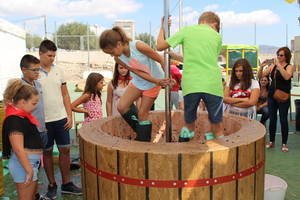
x: 147, y: 78
x: 22, y: 143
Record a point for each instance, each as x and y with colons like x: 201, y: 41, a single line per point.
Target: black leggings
x: 283, y: 115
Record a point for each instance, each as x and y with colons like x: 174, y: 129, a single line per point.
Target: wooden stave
x: 152, y: 193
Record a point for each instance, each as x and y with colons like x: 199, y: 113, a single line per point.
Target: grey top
x: 38, y: 113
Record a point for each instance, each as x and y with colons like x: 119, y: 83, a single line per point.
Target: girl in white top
x: 242, y: 92
x: 116, y: 88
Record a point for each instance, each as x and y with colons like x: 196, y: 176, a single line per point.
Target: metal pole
x: 254, y: 33
x: 167, y: 75
x: 55, y: 29
x: 286, y: 35
x: 150, y: 42
x: 180, y: 22
x: 45, y: 26
x: 88, y: 43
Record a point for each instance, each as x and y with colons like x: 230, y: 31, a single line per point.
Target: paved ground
x: 284, y: 165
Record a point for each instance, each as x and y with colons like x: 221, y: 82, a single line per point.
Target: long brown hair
x: 91, y: 84
x: 247, y: 75
x: 287, y: 54
x: 16, y: 90
x: 116, y: 75
x: 110, y: 37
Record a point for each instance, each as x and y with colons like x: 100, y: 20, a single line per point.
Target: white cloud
x: 211, y: 7
x: 187, y: 9
x: 67, y: 8
x: 260, y: 17
x: 233, y: 19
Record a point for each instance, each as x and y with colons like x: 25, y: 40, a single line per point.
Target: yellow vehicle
x: 233, y: 52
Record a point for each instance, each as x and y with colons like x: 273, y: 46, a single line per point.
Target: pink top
x: 94, y: 108
x: 175, y: 73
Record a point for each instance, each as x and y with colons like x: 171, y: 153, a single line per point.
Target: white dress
x: 117, y: 93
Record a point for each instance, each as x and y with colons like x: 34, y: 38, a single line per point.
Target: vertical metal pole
x: 88, y: 43
x: 167, y: 75
x: 286, y: 36
x: 254, y: 33
x: 150, y: 42
x: 180, y: 22
x: 45, y: 26
x: 55, y: 29
x: 221, y: 29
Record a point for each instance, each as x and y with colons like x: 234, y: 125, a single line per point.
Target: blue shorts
x: 58, y: 133
x: 18, y: 172
x: 213, y: 103
x: 44, y: 137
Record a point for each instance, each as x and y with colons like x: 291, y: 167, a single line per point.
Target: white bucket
x: 275, y: 188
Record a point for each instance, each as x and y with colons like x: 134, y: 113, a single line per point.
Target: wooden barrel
x: 1, y: 164
x: 116, y: 167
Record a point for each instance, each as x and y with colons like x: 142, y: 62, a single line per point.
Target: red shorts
x: 153, y: 92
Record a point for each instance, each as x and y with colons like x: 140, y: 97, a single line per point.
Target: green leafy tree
x: 74, y: 36
x: 33, y: 41
x: 146, y: 37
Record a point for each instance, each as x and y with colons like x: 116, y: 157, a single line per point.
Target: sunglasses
x: 280, y: 55
x: 34, y: 69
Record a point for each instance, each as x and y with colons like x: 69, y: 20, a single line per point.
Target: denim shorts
x: 44, y: 137
x: 213, y: 103
x: 58, y: 133
x: 18, y: 172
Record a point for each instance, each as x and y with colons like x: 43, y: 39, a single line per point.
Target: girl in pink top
x: 91, y: 98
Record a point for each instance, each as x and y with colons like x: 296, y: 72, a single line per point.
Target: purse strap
x: 275, y: 76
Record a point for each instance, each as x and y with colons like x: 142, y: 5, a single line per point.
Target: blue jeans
x: 283, y: 108
x: 265, y: 114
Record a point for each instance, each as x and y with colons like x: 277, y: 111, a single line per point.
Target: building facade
x: 128, y: 26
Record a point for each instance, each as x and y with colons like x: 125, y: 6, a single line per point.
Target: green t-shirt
x: 201, y: 47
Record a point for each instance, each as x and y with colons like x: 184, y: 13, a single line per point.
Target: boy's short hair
x: 27, y: 60
x: 47, y: 45
x: 209, y: 17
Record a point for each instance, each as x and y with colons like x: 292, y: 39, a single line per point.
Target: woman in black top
x: 262, y: 104
x: 281, y: 73
x: 21, y: 140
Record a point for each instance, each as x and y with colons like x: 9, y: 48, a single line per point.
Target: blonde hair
x: 16, y: 90
x: 110, y: 37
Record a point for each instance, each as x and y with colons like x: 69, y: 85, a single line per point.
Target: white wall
x: 12, y: 48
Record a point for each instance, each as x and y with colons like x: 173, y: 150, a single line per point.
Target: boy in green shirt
x: 201, y: 75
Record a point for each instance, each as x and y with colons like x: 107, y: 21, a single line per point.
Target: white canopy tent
x: 12, y: 48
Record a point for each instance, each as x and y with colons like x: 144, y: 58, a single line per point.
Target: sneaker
x: 51, y: 193
x: 270, y: 145
x: 70, y: 188
x: 284, y: 148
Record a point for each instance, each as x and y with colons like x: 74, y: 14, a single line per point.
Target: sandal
x: 284, y: 148
x: 270, y: 145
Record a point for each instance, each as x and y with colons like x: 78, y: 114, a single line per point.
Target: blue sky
x: 238, y: 16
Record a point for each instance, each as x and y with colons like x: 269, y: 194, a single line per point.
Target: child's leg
x: 126, y: 106
x: 144, y: 127
x: 191, y: 102
x: 130, y: 95
x: 214, y: 105
x: 26, y: 191
x: 145, y: 107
